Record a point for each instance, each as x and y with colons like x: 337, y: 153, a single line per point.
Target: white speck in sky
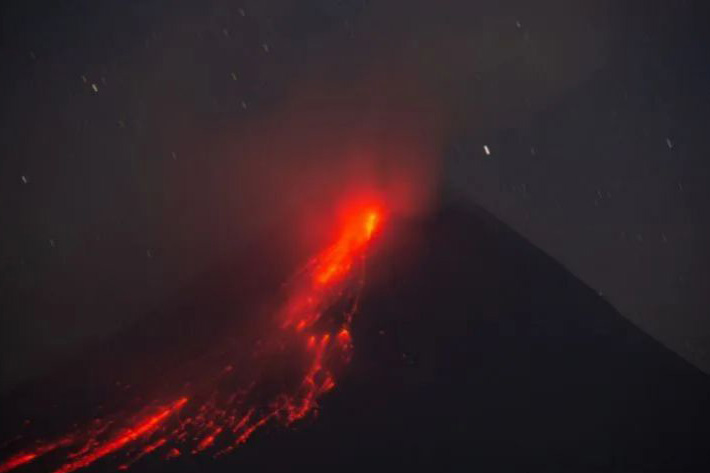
x: 265, y: 47
x: 51, y: 243
x: 669, y: 143
x: 95, y: 88
x: 24, y: 179
x: 486, y: 150
x: 244, y: 105
x: 241, y: 12
x: 518, y: 24
x: 234, y: 76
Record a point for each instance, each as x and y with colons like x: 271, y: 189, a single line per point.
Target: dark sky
x: 142, y: 142
x: 611, y: 177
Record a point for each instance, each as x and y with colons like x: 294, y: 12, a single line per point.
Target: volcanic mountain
x: 472, y: 350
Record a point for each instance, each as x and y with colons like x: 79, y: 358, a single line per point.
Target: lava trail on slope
x: 280, y: 381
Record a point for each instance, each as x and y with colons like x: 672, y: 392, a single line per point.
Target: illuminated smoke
x: 312, y: 326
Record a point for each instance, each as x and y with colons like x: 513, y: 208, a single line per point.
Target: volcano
x: 472, y: 349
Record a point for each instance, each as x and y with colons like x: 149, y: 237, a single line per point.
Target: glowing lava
x: 311, y: 326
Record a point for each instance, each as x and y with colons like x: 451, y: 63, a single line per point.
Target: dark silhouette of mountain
x: 473, y: 350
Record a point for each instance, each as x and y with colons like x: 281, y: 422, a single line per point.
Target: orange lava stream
x: 306, y: 321
x: 124, y: 438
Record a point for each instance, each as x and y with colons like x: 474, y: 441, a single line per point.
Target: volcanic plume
x: 286, y: 371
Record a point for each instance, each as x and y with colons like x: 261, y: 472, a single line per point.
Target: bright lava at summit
x: 312, y: 326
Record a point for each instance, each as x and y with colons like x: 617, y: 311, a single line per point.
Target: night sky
x: 538, y: 300
x: 144, y: 142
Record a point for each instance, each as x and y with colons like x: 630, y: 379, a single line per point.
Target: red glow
x: 29, y: 456
x: 17, y: 461
x: 337, y: 260
x: 173, y: 453
x: 129, y: 435
x: 212, y: 421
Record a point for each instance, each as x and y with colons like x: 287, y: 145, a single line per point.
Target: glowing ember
x: 309, y: 328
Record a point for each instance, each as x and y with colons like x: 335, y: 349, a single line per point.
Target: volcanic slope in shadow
x: 473, y: 349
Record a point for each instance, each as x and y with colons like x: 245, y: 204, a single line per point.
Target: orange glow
x: 221, y: 423
x: 337, y: 260
x: 371, y: 221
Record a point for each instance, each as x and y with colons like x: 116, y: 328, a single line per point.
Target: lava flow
x: 286, y: 374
